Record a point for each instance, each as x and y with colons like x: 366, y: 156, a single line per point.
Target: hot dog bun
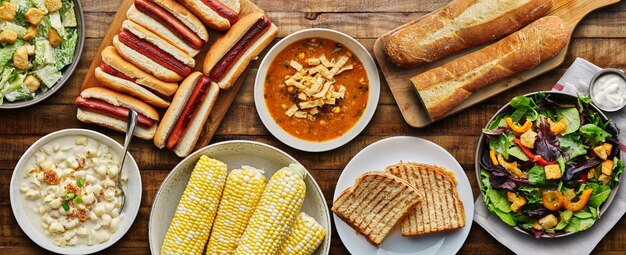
x: 209, y: 16
x: 145, y: 63
x: 221, y: 47
x: 118, y: 99
x: 154, y: 39
x: 141, y: 87
x: 174, y: 112
x: 165, y: 33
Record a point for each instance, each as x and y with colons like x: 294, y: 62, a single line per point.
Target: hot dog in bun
x: 229, y: 56
x: 108, y: 108
x: 172, y: 21
x: 183, y: 122
x: 217, y: 14
x: 151, y: 53
x: 117, y: 74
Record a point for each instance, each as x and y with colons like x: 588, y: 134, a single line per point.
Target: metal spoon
x: 130, y: 129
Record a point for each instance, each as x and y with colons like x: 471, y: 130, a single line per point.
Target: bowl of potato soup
x: 64, y: 192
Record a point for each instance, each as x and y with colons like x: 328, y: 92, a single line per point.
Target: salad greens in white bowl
x: 41, y: 45
x: 548, y: 164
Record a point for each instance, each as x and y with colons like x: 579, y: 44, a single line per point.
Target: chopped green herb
x: 65, y: 206
x: 78, y: 200
x: 80, y: 182
x: 69, y: 196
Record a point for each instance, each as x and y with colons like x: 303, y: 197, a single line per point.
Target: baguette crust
x: 376, y: 204
x: 443, y: 88
x: 176, y: 109
x: 210, y: 17
x: 459, y: 25
x: 442, y: 209
x: 145, y: 63
x: 223, y: 45
x: 111, y: 57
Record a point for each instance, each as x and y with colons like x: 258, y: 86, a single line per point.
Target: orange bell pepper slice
x: 580, y: 204
x: 518, y: 129
x: 553, y: 200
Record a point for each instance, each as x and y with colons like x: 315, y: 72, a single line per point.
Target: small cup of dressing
x: 608, y: 90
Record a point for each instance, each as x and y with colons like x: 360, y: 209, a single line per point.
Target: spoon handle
x: 130, y: 129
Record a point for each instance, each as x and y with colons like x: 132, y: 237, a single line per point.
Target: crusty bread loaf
x: 457, y: 26
x: 441, y: 208
x: 442, y: 88
x: 376, y: 204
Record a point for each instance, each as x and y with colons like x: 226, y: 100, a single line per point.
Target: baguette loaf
x: 442, y: 88
x: 376, y: 204
x: 441, y: 210
x: 457, y: 26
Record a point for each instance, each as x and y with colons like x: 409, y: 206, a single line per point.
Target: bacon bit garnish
x: 51, y: 177
x: 72, y: 188
x: 81, y: 163
x: 81, y: 215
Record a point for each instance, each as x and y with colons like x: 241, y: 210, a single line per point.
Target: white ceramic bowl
x: 234, y: 154
x: 374, y: 90
x: 33, y: 229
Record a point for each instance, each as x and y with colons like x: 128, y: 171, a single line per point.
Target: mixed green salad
x: 38, y: 39
x: 548, y: 166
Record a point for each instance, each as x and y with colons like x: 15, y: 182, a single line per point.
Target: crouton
x: 32, y: 83
x: 30, y: 33
x: 607, y: 167
x: 528, y: 138
x: 591, y: 174
x: 548, y: 221
x: 34, y: 16
x: 8, y: 36
x: 53, y: 5
x: 54, y: 38
x: 517, y: 202
x: 553, y: 172
x: 604, y: 178
x: 601, y: 152
x: 8, y: 11
x: 20, y: 58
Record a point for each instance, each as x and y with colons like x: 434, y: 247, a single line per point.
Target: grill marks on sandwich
x: 228, y: 60
x: 172, y: 23
x: 375, y: 204
x: 222, y: 10
x: 191, y: 108
x: 117, y: 112
x: 153, y: 52
x: 441, y: 209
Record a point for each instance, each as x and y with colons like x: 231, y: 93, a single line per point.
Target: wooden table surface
x: 600, y: 38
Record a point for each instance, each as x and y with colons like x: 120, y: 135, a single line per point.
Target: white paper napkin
x: 575, y: 81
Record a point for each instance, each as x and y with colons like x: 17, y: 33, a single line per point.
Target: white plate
x: 390, y: 151
x: 234, y: 154
x: 33, y: 229
x: 372, y: 102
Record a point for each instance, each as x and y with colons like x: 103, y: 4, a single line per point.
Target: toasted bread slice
x: 376, y: 204
x: 441, y: 209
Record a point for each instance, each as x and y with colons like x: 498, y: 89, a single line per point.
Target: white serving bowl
x: 372, y: 102
x: 33, y: 229
x: 234, y: 154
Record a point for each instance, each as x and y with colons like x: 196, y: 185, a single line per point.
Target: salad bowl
x: 551, y: 174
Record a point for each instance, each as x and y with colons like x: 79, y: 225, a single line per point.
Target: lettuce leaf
x: 56, y: 23
x: 578, y: 224
x: 571, y: 148
x: 537, y: 175
x: 522, y: 106
x: 594, y: 134
x: 65, y: 52
x: 39, y: 4
x: 7, y: 25
x: 15, y: 89
x: 571, y: 116
x: 49, y: 75
x: 44, y: 54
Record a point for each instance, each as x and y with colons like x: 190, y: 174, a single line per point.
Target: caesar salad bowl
x: 521, y: 219
x: 53, y: 81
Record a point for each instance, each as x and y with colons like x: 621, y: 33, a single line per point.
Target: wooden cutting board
x: 225, y: 97
x: 571, y: 11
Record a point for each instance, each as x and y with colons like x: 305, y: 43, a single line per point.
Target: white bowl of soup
x: 64, y: 195
x: 316, y: 89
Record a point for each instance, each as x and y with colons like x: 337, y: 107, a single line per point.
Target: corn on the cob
x: 304, y: 236
x: 191, y: 225
x: 242, y: 192
x: 277, y: 210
